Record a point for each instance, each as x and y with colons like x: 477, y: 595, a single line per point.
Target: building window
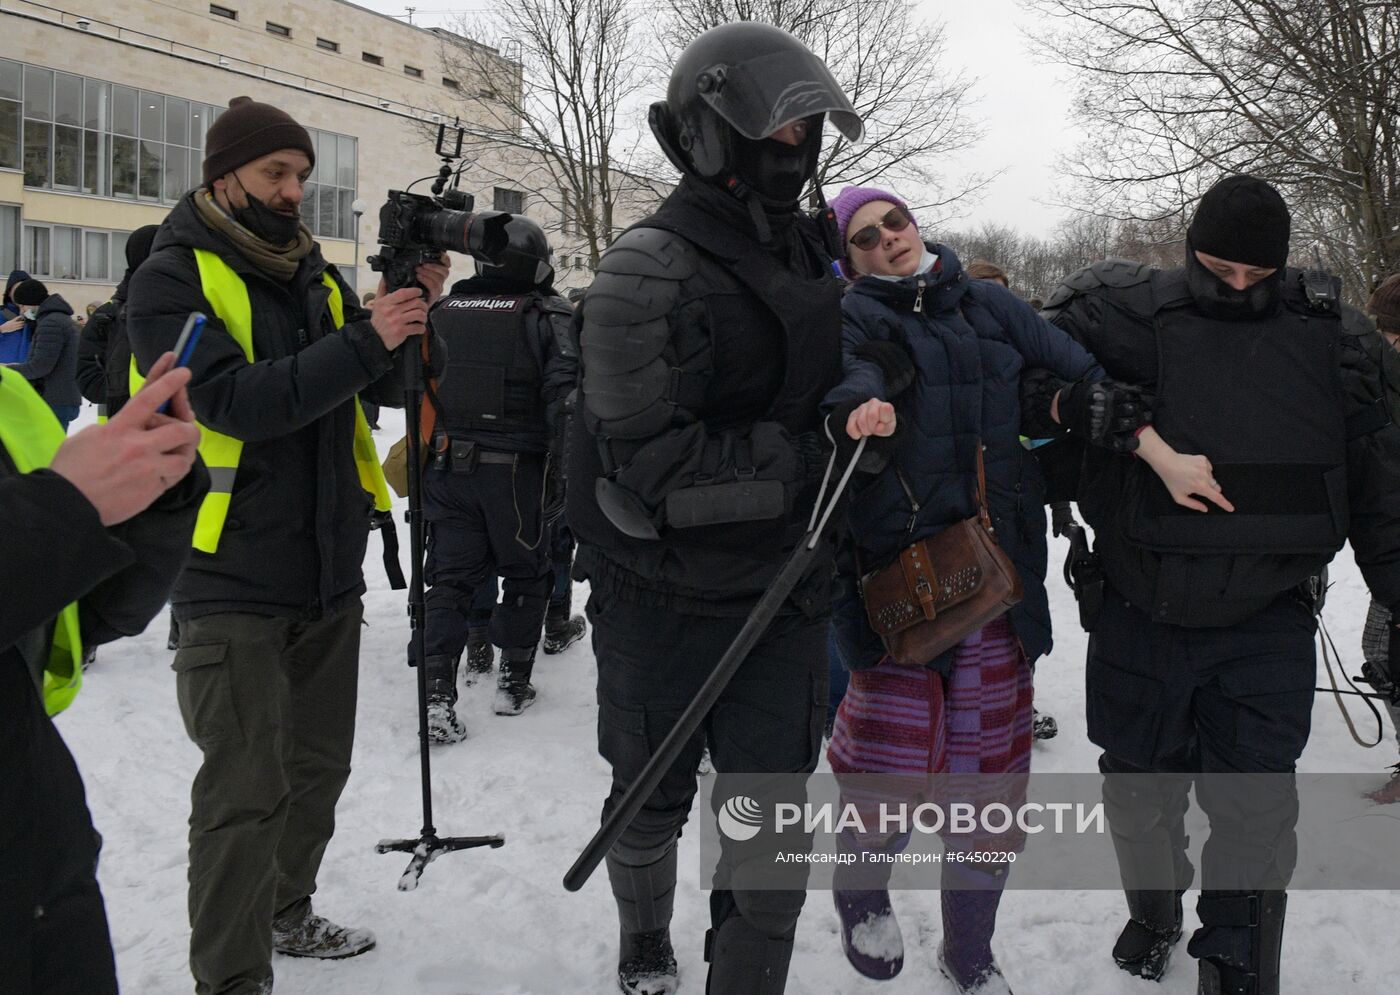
x: 87, y: 136
x: 9, y: 237
x: 510, y: 201
x: 330, y: 190
x: 11, y: 111
x: 60, y: 252
x: 451, y: 84
x: 281, y: 30
x: 219, y: 11
x: 413, y: 71
x: 95, y: 256
x: 374, y: 60
x: 328, y: 45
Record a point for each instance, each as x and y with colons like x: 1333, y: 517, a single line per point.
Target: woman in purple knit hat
x: 967, y: 711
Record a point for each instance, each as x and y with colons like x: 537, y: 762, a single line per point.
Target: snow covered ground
x: 498, y: 922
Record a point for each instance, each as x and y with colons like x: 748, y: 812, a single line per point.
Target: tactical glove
x: 1106, y: 413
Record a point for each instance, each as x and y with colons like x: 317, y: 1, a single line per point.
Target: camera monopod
x: 402, y: 248
x: 428, y: 845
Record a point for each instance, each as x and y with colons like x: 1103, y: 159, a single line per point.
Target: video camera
x: 416, y: 228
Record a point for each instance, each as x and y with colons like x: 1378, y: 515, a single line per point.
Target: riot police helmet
x: 526, y: 257
x: 731, y: 90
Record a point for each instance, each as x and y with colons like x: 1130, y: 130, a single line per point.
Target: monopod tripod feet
x: 427, y: 848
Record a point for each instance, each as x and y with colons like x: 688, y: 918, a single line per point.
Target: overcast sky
x: 1024, y: 105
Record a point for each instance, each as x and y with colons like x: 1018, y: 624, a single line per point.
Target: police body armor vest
x: 492, y: 382
x: 227, y: 294
x: 807, y: 306
x: 1263, y: 401
x: 31, y: 435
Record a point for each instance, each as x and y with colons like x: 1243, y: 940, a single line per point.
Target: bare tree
x: 1303, y: 93
x: 892, y: 65
x: 555, y: 109
x: 1036, y: 266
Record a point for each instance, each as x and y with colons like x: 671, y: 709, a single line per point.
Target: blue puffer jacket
x: 970, y: 340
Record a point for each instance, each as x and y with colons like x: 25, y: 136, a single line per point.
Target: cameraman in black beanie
x: 1201, y: 657
x: 269, y: 609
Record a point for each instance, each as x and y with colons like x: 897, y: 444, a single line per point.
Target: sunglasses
x: 868, y: 237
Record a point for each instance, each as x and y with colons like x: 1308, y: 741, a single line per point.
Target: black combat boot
x: 1147, y: 941
x: 481, y: 655
x: 443, y: 724
x: 513, y: 691
x: 562, y: 630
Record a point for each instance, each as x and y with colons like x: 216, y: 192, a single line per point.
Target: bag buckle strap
x: 918, y: 573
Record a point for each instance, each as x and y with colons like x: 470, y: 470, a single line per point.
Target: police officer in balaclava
x: 1201, y: 656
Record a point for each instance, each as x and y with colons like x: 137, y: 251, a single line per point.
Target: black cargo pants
x: 1167, y: 699
x: 485, y: 523
x: 651, y: 662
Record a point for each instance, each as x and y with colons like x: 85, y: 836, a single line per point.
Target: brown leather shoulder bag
x: 943, y: 588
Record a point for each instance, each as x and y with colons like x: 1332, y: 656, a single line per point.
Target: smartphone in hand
x: 184, y: 346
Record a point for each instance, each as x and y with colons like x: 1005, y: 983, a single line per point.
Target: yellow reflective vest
x: 227, y: 295
x: 31, y: 435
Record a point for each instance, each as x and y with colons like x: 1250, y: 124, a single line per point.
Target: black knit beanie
x: 29, y: 293
x: 1242, y: 220
x: 249, y: 130
x: 1384, y: 304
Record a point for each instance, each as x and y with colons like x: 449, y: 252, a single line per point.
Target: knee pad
x: 771, y: 913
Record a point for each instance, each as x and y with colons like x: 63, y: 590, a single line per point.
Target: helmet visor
x: 761, y: 95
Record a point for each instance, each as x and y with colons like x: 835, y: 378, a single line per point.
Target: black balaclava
x: 774, y: 174
x: 774, y: 170
x: 1218, y: 299
x: 1241, y: 219
x: 264, y: 222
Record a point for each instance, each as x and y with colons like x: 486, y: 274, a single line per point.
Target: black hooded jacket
x: 298, y: 523
x: 53, y: 356
x: 104, y: 353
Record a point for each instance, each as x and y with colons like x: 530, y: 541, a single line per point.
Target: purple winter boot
x: 970, y: 899
x: 870, y: 933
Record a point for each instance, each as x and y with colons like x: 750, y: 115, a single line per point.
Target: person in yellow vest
x: 269, y: 610
x: 93, y: 532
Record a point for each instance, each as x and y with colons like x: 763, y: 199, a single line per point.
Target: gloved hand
x: 1372, y: 674
x: 834, y: 427
x: 1038, y: 390
x: 1393, y: 659
x: 1106, y: 413
x: 894, y: 362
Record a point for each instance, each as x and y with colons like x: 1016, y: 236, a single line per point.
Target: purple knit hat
x: 852, y: 199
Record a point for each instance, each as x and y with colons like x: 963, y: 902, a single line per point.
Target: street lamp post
x: 357, y: 209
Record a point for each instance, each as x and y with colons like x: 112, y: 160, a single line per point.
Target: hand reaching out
x: 1183, y: 475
